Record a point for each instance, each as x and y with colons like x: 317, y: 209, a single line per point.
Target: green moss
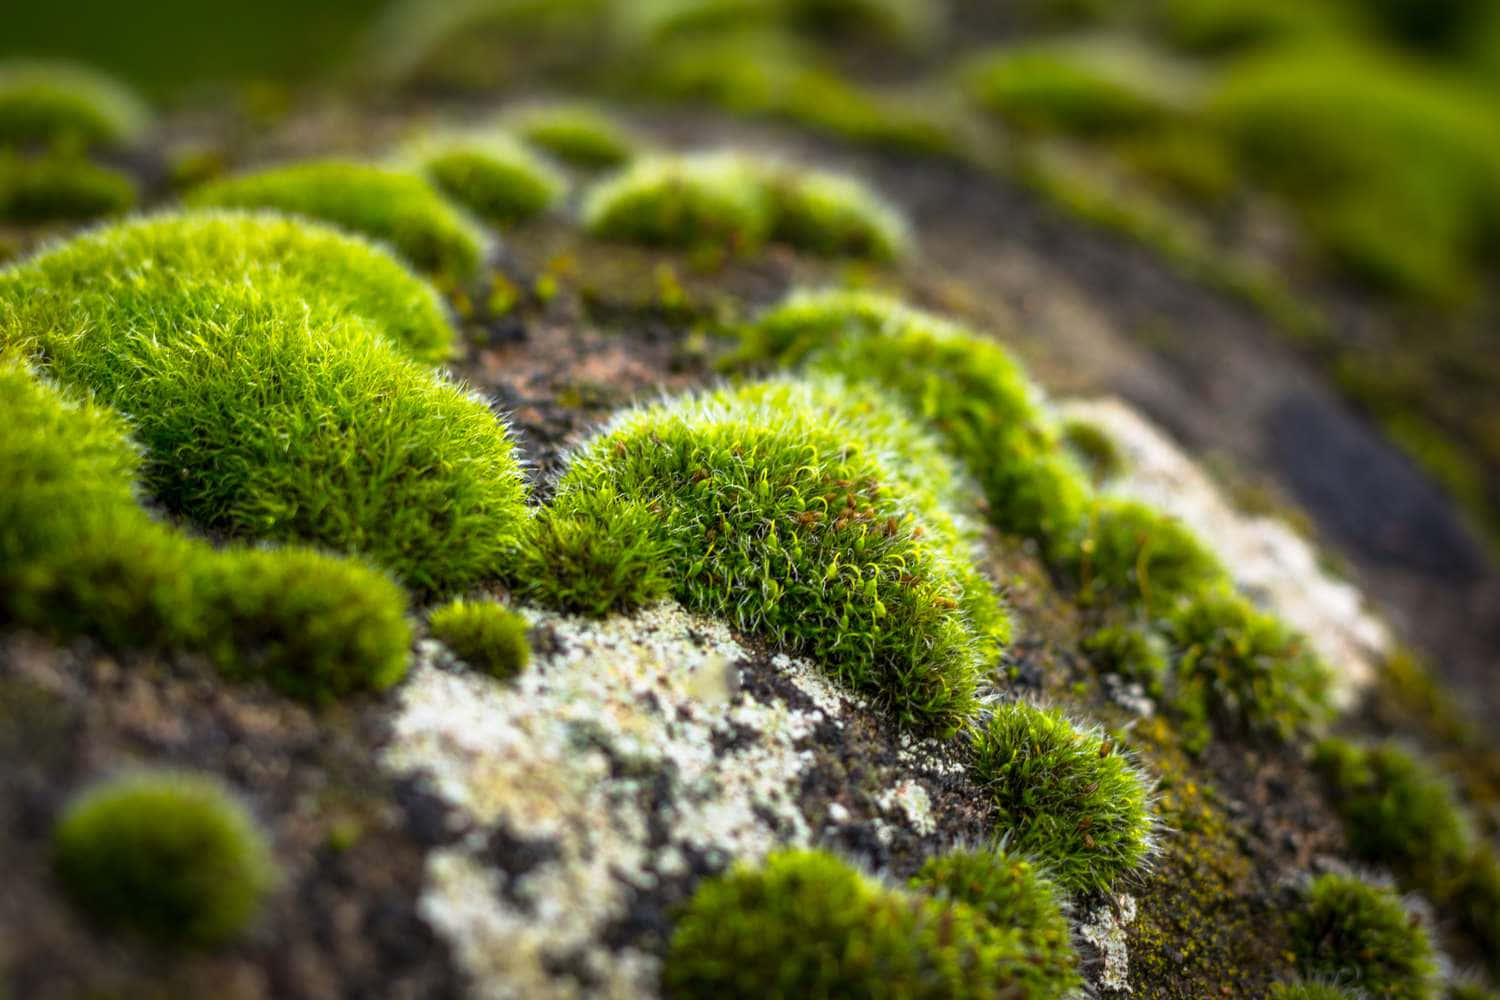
x: 80, y: 556
x: 1476, y: 898
x: 1243, y: 670
x: 907, y: 22
x: 807, y: 925
x: 1086, y: 88
x: 965, y: 387
x: 397, y: 208
x: 269, y: 407
x: 1467, y: 988
x: 1355, y: 931
x: 577, y: 134
x: 809, y: 513
x: 172, y: 856
x: 1220, y: 26
x: 1137, y: 556
x: 1135, y: 652
x: 65, y: 105
x: 60, y: 187
x: 1065, y: 795
x: 1310, y: 991
x: 491, y: 175
x: 1094, y: 448
x: 833, y: 215
x: 483, y: 634
x: 707, y: 200
x: 1009, y: 892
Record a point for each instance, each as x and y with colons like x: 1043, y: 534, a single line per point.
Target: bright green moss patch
x: 1243, y: 670
x: 577, y: 134
x: 1138, y: 556
x: 1087, y: 88
x: 268, y: 407
x: 809, y: 513
x: 907, y: 22
x: 1354, y: 931
x: 65, y: 105
x: 807, y: 925
x: 731, y: 202
x: 397, y: 208
x: 79, y: 556
x: 1094, y: 448
x: 493, y: 176
x: 1064, y: 795
x: 484, y: 634
x: 967, y: 388
x: 60, y: 188
x: 172, y: 856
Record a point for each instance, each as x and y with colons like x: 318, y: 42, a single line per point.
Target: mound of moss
x: 833, y: 215
x: 807, y: 512
x: 1350, y: 930
x: 397, y: 208
x: 251, y: 357
x: 484, y: 634
x: 493, y: 176
x: 60, y: 188
x: 576, y: 134
x: 805, y: 924
x: 80, y: 556
x: 60, y: 104
x: 171, y: 856
x: 1064, y: 794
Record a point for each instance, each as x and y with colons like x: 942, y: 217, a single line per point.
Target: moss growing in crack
x: 60, y: 104
x: 397, y: 208
x: 1137, y: 556
x: 967, y: 388
x: 271, y: 408
x: 1064, y: 794
x: 1009, y: 892
x: 172, y: 856
x: 80, y: 556
x: 1243, y: 670
x: 492, y: 175
x: 60, y: 187
x: 1135, y: 652
x: 484, y: 634
x: 807, y: 925
x: 808, y: 512
x: 1350, y: 930
x: 577, y: 134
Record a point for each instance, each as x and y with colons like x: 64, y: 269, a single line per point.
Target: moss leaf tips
x: 172, y: 856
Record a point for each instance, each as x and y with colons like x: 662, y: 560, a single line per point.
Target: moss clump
x: 1010, y: 892
x: 967, y: 388
x: 807, y: 925
x: 810, y: 513
x: 731, y: 202
x: 1082, y: 88
x: 395, y: 207
x: 1134, y: 652
x: 1356, y: 931
x: 906, y: 22
x: 1094, y: 448
x: 172, y: 856
x: 60, y: 187
x: 60, y: 104
x: 1466, y: 988
x: 268, y: 407
x: 483, y: 634
x: 1243, y: 670
x: 79, y: 556
x: 1138, y: 556
x: 1064, y: 795
x: 493, y: 176
x: 577, y: 134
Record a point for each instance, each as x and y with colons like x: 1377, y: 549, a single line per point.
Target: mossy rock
x: 61, y: 104
x: 490, y: 174
x: 486, y: 635
x: 576, y: 134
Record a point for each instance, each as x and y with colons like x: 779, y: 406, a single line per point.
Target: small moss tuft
x: 807, y: 512
x: 576, y: 134
x: 1064, y: 795
x: 250, y: 355
x: 833, y: 215
x: 483, y: 634
x: 60, y: 187
x: 1351, y: 930
x: 397, y: 208
x: 807, y: 925
x: 1138, y: 556
x: 1094, y: 448
x: 60, y: 104
x: 491, y: 175
x: 1243, y: 670
x: 171, y: 856
x: 1134, y: 652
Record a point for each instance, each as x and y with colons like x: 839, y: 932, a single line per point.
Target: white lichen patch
x: 1105, y: 928
x: 630, y: 755
x: 1274, y: 565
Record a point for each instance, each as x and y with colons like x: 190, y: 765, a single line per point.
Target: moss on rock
x: 484, y: 634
